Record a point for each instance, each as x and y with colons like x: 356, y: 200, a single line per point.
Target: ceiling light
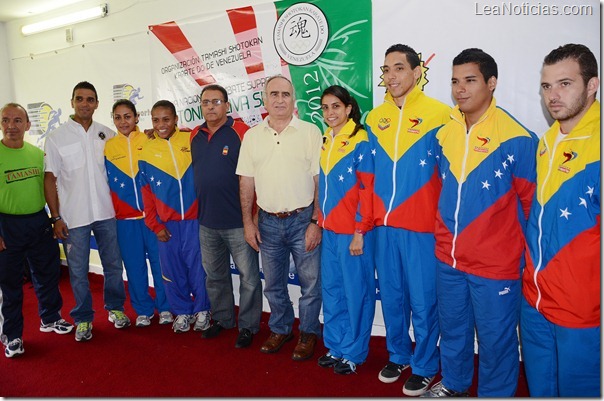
x: 64, y: 20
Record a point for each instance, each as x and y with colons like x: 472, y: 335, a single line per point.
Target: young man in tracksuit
x: 487, y: 167
x: 406, y: 187
x: 560, y: 312
x: 171, y: 213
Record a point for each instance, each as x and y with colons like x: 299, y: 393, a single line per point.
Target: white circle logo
x: 301, y: 34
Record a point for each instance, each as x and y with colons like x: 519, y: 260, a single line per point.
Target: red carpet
x: 156, y: 362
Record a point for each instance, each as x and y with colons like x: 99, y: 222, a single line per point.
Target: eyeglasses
x: 215, y: 102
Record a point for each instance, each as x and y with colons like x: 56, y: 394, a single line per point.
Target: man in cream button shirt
x: 279, y: 162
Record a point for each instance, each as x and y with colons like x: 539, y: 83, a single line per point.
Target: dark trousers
x: 28, y: 237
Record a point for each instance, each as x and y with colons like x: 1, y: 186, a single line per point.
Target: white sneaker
x: 59, y: 327
x: 183, y: 323
x: 14, y: 348
x: 202, y: 320
x: 165, y: 317
x: 143, y: 321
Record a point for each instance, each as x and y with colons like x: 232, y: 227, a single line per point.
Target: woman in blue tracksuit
x: 345, y: 198
x: 137, y: 243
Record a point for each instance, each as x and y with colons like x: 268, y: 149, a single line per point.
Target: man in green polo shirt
x: 25, y: 234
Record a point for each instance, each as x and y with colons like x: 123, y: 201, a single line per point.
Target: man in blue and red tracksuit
x: 406, y: 187
x: 487, y: 166
x: 215, y: 151
x: 560, y: 313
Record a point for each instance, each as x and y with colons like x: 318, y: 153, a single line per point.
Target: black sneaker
x: 14, y: 348
x: 417, y: 385
x: 328, y: 361
x: 438, y: 390
x: 244, y: 339
x: 212, y: 331
x: 391, y: 372
x: 345, y: 367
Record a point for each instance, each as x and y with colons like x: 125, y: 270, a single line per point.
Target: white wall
x: 125, y: 17
x: 7, y: 92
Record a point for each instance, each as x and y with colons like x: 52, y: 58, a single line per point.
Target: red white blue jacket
x: 121, y: 161
x: 346, y: 181
x: 406, y: 184
x: 562, y: 275
x: 488, y: 180
x: 166, y: 178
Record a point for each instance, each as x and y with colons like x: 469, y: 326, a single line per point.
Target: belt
x: 283, y: 215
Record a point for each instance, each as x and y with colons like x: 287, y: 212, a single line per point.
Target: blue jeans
x: 280, y: 238
x: 216, y: 247
x: 77, y: 251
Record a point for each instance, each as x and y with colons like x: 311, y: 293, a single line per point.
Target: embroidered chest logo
x: 482, y: 148
x: 225, y: 151
x: 185, y: 149
x: 542, y: 151
x: 344, y: 144
x: 567, y: 156
x: 415, y: 122
x: 384, y: 123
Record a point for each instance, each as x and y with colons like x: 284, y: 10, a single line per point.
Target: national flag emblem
x: 225, y: 151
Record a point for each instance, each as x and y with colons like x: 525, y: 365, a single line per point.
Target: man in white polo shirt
x: 77, y: 193
x: 279, y: 161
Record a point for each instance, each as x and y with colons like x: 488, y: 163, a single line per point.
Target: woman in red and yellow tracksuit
x: 345, y: 199
x: 137, y: 243
x: 171, y: 213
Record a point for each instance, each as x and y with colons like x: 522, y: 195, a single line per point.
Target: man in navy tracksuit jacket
x: 215, y: 152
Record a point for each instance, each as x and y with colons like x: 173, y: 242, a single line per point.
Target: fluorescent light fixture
x: 68, y: 19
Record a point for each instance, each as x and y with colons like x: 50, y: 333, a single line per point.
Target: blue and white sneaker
x: 14, y: 348
x: 59, y: 327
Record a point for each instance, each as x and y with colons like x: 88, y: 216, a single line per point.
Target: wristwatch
x: 359, y: 231
x: 53, y: 220
x: 314, y: 221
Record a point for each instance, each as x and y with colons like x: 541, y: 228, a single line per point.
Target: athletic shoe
x: 14, y: 348
x: 59, y: 327
x: 438, y: 390
x: 202, y: 321
x: 417, y: 385
x: 391, y: 372
x: 83, y: 331
x: 182, y: 323
x: 143, y: 320
x: 165, y: 317
x: 345, y: 367
x: 328, y: 361
x: 119, y: 319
